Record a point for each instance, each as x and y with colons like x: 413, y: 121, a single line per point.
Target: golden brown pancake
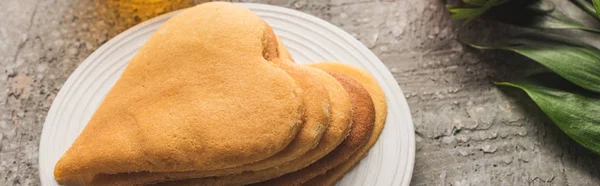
x: 316, y: 102
x: 283, y: 51
x: 369, y: 82
x: 200, y: 95
x: 363, y: 117
x: 341, y: 121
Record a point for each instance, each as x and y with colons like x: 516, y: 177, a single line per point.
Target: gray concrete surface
x: 469, y: 132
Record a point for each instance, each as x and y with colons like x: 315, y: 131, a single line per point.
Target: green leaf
x: 532, y: 14
x: 477, y: 2
x: 597, y: 7
x: 587, y: 7
x: 576, y: 115
x: 575, y: 61
x: 469, y: 13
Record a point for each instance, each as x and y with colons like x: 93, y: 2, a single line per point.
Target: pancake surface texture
x: 200, y: 95
x: 363, y: 117
x: 340, y: 124
x: 316, y: 102
x: 282, y: 50
x: 378, y: 96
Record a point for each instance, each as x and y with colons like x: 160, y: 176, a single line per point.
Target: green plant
x: 570, y: 96
x: 577, y: 113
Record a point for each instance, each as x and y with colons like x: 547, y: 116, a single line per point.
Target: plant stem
x: 596, y: 31
x: 587, y: 7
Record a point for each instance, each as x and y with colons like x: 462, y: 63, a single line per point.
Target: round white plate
x: 308, y: 38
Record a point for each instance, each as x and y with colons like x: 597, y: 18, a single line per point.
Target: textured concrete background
x: 469, y: 132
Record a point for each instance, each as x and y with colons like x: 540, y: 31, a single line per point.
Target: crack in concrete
x: 562, y: 164
x: 22, y: 44
x: 19, y: 48
x: 33, y: 15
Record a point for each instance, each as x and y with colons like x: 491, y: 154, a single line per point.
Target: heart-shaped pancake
x: 202, y: 94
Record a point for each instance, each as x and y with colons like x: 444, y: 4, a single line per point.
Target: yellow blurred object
x: 141, y: 10
x: 153, y: 1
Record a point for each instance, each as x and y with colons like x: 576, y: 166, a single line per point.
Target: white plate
x: 309, y: 39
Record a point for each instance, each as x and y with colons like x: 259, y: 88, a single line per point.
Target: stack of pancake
x: 214, y: 98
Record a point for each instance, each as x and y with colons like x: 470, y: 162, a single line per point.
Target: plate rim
x: 375, y: 61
